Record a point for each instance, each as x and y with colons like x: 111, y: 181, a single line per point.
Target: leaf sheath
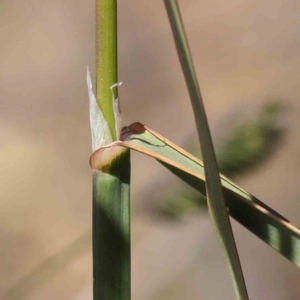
x: 111, y: 234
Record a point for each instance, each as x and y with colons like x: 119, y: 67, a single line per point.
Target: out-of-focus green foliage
x: 187, y: 201
x: 252, y: 142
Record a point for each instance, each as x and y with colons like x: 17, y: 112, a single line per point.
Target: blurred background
x: 247, y: 55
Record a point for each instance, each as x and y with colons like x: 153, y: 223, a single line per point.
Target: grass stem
x: 111, y: 187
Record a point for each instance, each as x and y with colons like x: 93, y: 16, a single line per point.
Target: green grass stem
x: 111, y: 199
x: 106, y: 58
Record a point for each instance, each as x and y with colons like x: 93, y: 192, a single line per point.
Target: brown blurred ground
x: 244, y: 51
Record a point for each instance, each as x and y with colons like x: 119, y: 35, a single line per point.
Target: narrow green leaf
x: 215, y: 199
x: 252, y: 213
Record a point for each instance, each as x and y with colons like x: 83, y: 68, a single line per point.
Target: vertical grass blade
x: 111, y: 201
x: 216, y: 203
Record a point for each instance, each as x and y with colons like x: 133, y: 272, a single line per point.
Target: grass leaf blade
x: 216, y: 203
x: 253, y: 214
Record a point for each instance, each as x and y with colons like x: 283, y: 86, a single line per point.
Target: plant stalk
x: 106, y: 59
x: 111, y: 187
